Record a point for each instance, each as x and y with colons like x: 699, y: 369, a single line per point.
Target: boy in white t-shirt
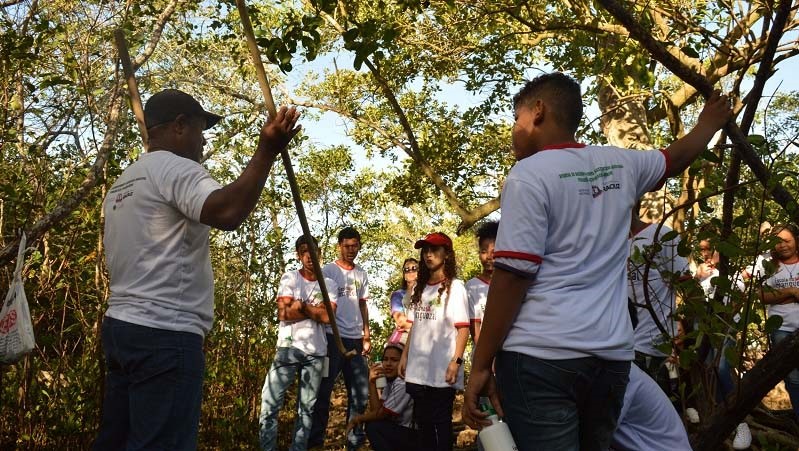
x: 352, y: 319
x: 648, y: 421
x: 301, y: 347
x: 477, y: 287
x: 158, y: 215
x: 557, y: 305
x: 659, y: 261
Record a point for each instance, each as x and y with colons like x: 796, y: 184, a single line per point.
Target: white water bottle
x: 674, y: 375
x: 381, y: 381
x: 496, y: 437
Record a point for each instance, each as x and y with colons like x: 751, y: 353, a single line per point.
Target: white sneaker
x: 743, y: 437
x: 692, y: 415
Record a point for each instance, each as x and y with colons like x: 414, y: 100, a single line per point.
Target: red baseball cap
x: 434, y: 239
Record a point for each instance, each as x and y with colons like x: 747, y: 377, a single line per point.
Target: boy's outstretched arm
x: 714, y: 115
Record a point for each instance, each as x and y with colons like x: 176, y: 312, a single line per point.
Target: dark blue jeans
x: 726, y: 384
x: 356, y: 379
x: 792, y: 379
x: 561, y: 404
x: 432, y: 413
x: 387, y: 435
x: 153, y: 388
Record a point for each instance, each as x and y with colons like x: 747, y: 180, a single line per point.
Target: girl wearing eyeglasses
x: 410, y: 268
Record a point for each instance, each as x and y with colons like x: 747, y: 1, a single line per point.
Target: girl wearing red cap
x: 432, y: 362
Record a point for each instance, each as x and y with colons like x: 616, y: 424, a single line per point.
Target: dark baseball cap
x: 165, y: 106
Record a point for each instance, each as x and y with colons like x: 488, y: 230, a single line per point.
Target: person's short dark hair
x: 163, y: 107
x: 348, y: 233
x: 561, y: 94
x: 303, y: 239
x: 487, y: 231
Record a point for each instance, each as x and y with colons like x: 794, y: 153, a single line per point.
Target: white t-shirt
x: 432, y: 344
x: 785, y: 277
x: 709, y: 287
x: 758, y: 270
x: 398, y: 403
x: 306, y: 335
x: 477, y: 291
x: 666, y: 262
x: 648, y: 421
x: 353, y: 287
x: 156, y: 249
x: 565, y: 223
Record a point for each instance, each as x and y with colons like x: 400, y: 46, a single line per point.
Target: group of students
x: 423, y: 364
x: 775, y: 280
x: 552, y: 355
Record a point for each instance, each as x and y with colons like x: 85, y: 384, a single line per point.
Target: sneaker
x: 743, y: 437
x: 692, y: 415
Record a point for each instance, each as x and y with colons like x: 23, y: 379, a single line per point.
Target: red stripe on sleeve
x: 462, y: 324
x: 476, y: 320
x: 665, y: 171
x: 518, y: 256
x: 668, y: 162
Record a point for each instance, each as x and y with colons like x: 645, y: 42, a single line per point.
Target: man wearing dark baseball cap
x: 167, y: 105
x: 158, y: 216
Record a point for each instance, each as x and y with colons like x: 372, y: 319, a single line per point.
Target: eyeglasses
x: 410, y: 269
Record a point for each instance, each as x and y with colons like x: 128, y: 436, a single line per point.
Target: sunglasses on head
x: 410, y: 269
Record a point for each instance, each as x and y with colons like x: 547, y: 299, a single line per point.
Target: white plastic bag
x: 16, y: 328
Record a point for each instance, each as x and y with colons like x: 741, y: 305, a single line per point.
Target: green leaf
x: 728, y: 249
x: 773, y: 323
x: 690, y: 51
x: 684, y: 248
x: 710, y: 156
x: 741, y: 221
x: 350, y: 35
x: 669, y: 236
x: 756, y: 140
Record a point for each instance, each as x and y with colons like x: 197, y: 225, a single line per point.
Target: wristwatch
x: 458, y: 360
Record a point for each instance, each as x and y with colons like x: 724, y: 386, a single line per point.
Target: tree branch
x: 160, y: 23
x: 412, y: 149
x: 754, y: 386
x: 701, y: 84
x: 91, y: 180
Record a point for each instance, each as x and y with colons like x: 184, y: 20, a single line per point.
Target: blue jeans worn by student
x: 288, y: 361
x: 561, y: 404
x: 792, y: 380
x: 153, y: 388
x: 432, y: 414
x: 726, y: 383
x: 356, y: 379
